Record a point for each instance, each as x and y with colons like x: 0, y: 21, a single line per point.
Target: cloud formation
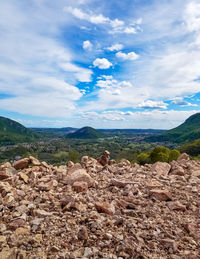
x: 102, y: 63
x: 127, y: 56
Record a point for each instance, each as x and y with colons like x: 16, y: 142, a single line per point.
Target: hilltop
x: 187, y: 131
x: 12, y: 132
x: 86, y: 133
x: 100, y: 209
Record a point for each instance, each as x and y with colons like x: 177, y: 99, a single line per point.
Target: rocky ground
x: 100, y: 209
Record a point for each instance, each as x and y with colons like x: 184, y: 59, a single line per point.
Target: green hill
x: 86, y: 133
x: 188, y: 131
x: 12, y: 132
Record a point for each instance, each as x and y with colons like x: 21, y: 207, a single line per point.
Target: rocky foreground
x: 100, y: 209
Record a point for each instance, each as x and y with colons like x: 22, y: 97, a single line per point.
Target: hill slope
x: 86, y: 133
x: 187, y: 131
x: 12, y: 132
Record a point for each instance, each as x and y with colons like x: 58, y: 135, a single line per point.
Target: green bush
x: 160, y: 153
x: 174, y: 154
x: 143, y: 158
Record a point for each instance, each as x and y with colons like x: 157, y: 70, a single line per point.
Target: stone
x: 80, y: 175
x: 22, y: 231
x: 70, y: 164
x: 104, y: 207
x: 21, y: 164
x: 104, y: 159
x: 176, y: 205
x: 24, y: 177
x: 83, y: 233
x: 161, y: 168
x: 3, y: 175
x: 34, y: 161
x: 183, y: 156
x: 42, y: 213
x: 177, y: 170
x: 2, y: 239
x: 16, y: 223
x: 119, y: 183
x: 161, y: 195
x: 80, y: 186
x: 154, y: 184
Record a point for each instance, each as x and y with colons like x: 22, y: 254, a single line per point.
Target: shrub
x: 143, y: 158
x: 174, y: 154
x: 160, y: 153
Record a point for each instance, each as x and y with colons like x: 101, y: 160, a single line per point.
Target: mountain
x: 188, y: 131
x: 86, y: 133
x: 12, y: 132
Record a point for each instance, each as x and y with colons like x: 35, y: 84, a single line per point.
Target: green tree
x: 160, y: 153
x: 74, y: 156
x: 174, y: 154
x: 143, y: 158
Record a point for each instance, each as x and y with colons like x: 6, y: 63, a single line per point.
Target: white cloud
x: 155, y: 119
x: 192, y: 17
x: 87, y: 45
x: 181, y: 102
x: 102, y: 63
x: 152, y: 105
x: 82, y: 74
x: 128, y: 56
x: 116, y: 47
x: 117, y: 26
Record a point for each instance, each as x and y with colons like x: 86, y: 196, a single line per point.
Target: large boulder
x: 21, y: 164
x: 161, y: 168
x: 80, y: 175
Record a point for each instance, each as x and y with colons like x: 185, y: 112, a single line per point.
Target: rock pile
x: 100, y: 209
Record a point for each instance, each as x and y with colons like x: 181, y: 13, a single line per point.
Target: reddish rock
x: 80, y: 175
x: 154, y: 184
x: 104, y: 159
x: 119, y: 183
x: 80, y: 186
x: 104, y: 207
x: 21, y: 164
x: 3, y: 175
x: 183, y: 156
x: 161, y: 168
x: 83, y: 233
x: 177, y: 170
x: 16, y: 223
x: 34, y: 161
x: 176, y: 205
x: 161, y: 195
x: 24, y: 177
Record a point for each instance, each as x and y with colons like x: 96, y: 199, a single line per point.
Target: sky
x: 104, y: 64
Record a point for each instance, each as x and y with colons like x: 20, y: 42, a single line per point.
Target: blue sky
x: 106, y: 64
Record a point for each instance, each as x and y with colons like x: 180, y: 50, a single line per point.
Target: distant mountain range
x: 12, y: 132
x: 86, y: 133
x: 187, y: 131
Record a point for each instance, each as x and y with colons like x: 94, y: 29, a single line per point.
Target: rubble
x: 100, y: 209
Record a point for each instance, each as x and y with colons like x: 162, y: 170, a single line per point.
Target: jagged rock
x: 161, y: 195
x: 34, y: 161
x: 21, y: 164
x: 24, y: 177
x: 176, y: 205
x: 80, y: 186
x: 127, y: 214
x: 16, y: 223
x: 183, y: 156
x: 3, y: 175
x: 83, y: 233
x: 104, y: 207
x: 80, y: 175
x: 104, y: 159
x: 119, y: 183
x: 161, y: 168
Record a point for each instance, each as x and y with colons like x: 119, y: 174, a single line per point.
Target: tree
x: 74, y: 156
x: 143, y: 158
x: 160, y: 153
x: 174, y: 154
